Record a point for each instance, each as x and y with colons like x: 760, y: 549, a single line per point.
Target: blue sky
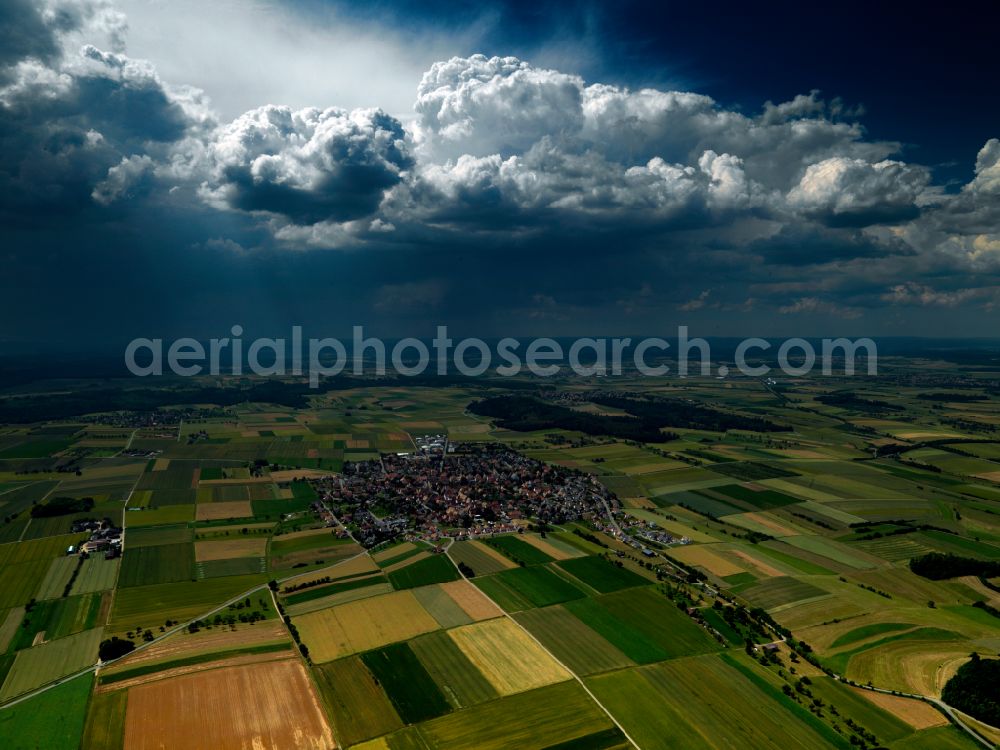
x: 508, y: 169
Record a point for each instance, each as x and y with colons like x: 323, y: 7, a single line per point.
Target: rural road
x: 940, y: 705
x: 550, y: 654
x: 172, y: 631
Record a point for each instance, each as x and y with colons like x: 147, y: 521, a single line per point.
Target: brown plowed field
x: 258, y: 707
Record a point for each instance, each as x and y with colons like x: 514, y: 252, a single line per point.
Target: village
x: 469, y: 490
x: 459, y: 491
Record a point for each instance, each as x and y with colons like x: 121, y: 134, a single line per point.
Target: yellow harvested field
x: 160, y: 464
x: 790, y: 488
x: 917, y: 714
x: 912, y: 667
x: 472, y: 601
x: 759, y: 565
x: 703, y: 556
x: 228, y: 549
x: 549, y: 549
x: 302, y: 534
x: 380, y: 743
x: 260, y: 706
x: 288, y: 475
x: 923, y: 435
x: 990, y: 476
x: 407, y: 562
x: 639, y: 503
x: 507, y: 656
x: 391, y: 552
x: 363, y: 625
x: 220, y: 511
x: 771, y: 523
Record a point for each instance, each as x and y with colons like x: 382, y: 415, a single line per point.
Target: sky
x: 172, y: 168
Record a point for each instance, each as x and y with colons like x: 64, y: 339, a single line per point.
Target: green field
x: 167, y: 563
x: 643, y: 625
x: 668, y: 705
x: 39, y: 665
x: 777, y: 592
x: 868, y: 631
x: 55, y: 618
x: 812, y: 526
x: 57, y: 577
x: 433, y: 569
x: 411, y: 689
x: 534, y: 720
x: 359, y: 707
x: 168, y: 514
x: 105, y: 729
x: 602, y: 575
x: 32, y: 725
x: 35, y: 448
x: 523, y: 588
x: 458, y: 679
x: 25, y: 565
x: 143, y: 607
x: 482, y: 563
x: 158, y: 535
x: 96, y: 574
x: 576, y: 645
x: 22, y: 496
x: 441, y: 607
x: 699, y: 502
x: 762, y: 499
x: 517, y: 550
x: 851, y: 703
x: 939, y: 738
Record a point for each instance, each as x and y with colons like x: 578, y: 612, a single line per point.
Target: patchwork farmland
x: 710, y: 604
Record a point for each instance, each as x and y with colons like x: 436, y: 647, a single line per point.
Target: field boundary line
x: 173, y: 631
x: 552, y: 656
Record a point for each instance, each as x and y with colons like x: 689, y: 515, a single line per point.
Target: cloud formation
x: 70, y: 114
x: 853, y: 192
x: 308, y: 166
x: 793, y: 207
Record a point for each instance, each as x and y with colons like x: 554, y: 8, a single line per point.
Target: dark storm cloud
x: 307, y: 166
x: 69, y: 115
x: 818, y: 245
x: 519, y: 194
x: 23, y: 33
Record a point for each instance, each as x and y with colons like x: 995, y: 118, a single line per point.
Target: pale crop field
x: 507, y: 656
x: 363, y: 625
